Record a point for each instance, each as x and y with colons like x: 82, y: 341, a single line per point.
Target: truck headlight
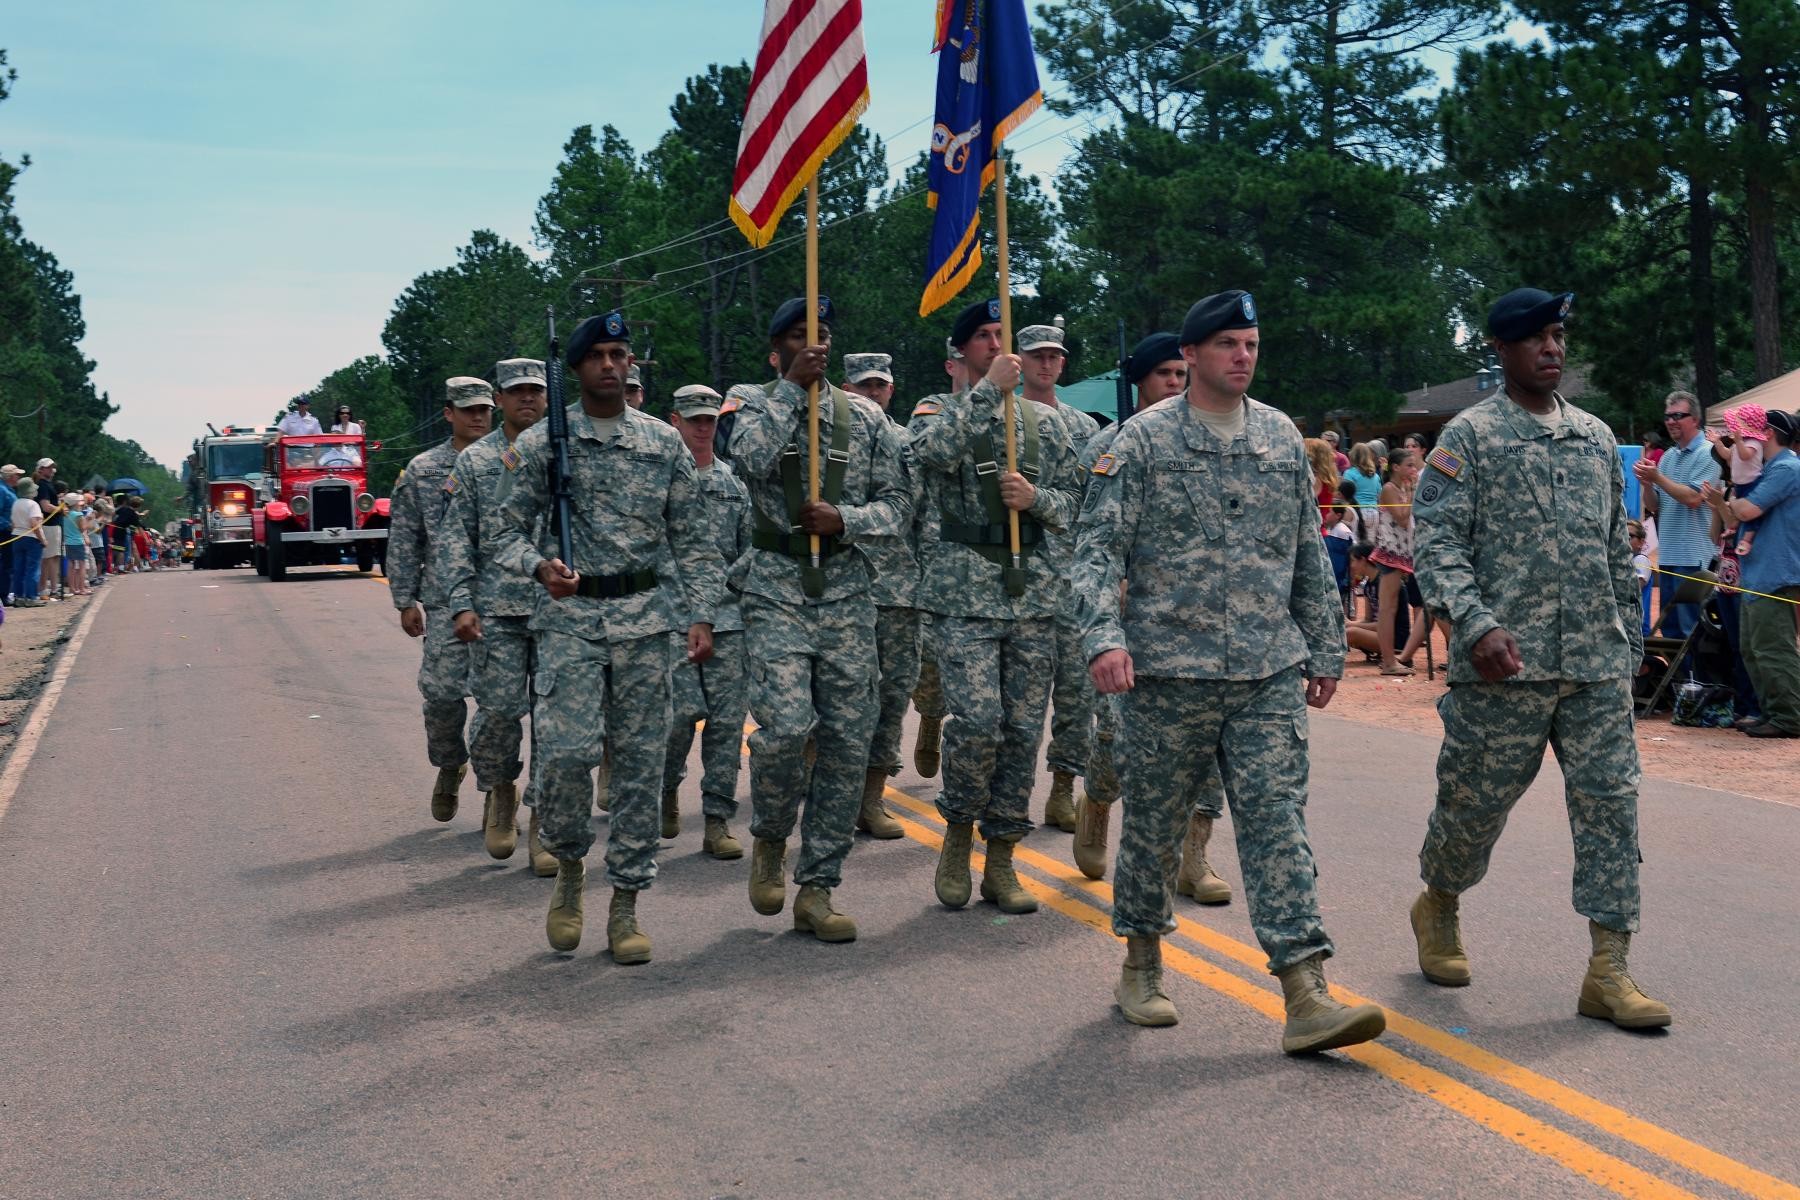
x: 300, y: 506
x: 365, y: 503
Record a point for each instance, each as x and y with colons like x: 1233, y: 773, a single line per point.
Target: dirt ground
x: 1715, y: 758
x: 27, y: 641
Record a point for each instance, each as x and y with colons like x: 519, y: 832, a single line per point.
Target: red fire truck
x: 226, y: 474
x: 315, y: 505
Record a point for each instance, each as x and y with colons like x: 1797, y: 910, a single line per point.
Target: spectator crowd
x: 60, y: 541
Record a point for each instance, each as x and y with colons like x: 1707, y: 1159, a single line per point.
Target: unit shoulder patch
x: 1429, y: 493
x: 1444, y: 461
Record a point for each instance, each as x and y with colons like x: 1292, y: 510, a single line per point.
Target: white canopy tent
x: 1782, y: 392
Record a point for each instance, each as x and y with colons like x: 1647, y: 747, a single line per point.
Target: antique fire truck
x: 315, y: 505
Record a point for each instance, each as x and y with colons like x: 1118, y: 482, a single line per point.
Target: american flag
x: 810, y: 85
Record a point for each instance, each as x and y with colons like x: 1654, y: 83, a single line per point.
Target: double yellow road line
x: 1083, y: 900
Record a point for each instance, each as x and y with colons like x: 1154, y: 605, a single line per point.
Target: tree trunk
x: 1701, y: 229
x: 1759, y: 213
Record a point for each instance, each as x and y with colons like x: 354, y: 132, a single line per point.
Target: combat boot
x: 873, y: 818
x: 543, y: 863
x: 563, y: 925
x: 1139, y: 990
x: 814, y: 914
x: 629, y: 946
x: 603, y: 785
x: 1439, y: 934
x: 1196, y: 877
x: 1000, y: 883
x: 1059, y: 810
x: 928, y: 747
x: 1092, y: 818
x: 1315, y: 1021
x: 443, y: 792
x: 1609, y: 993
x: 671, y: 815
x: 952, y: 880
x: 768, y: 876
x: 718, y: 842
x: 500, y: 820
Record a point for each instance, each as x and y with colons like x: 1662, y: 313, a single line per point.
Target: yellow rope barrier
x: 1723, y: 587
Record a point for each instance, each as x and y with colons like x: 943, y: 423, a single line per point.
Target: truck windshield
x: 240, y: 460
x: 332, y: 454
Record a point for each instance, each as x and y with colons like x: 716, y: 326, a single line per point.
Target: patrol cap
x: 858, y: 367
x: 972, y: 318
x: 607, y: 327
x: 1220, y: 311
x: 1150, y: 354
x: 514, y: 372
x: 1523, y: 311
x: 950, y: 350
x: 634, y: 377
x: 1035, y: 337
x: 697, y: 400
x: 466, y: 391
x: 792, y: 312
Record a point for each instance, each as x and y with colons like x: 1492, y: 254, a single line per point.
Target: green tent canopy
x: 1099, y: 395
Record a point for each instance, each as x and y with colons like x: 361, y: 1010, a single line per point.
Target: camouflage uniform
x: 1208, y: 537
x: 602, y: 673
x: 1072, y: 692
x: 718, y: 690
x: 896, y: 566
x: 416, y: 514
x: 500, y: 678
x: 996, y: 653
x: 813, y: 658
x: 1556, y: 574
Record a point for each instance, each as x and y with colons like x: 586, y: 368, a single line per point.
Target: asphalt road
x: 237, y: 958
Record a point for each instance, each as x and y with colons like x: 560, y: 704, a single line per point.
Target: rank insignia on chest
x: 1107, y: 464
x: 927, y: 408
x: 450, y: 485
x: 510, y: 458
x: 1444, y: 461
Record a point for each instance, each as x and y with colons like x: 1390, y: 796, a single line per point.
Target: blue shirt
x: 1774, y: 558
x: 1368, y: 487
x: 1683, y: 534
x: 8, y: 497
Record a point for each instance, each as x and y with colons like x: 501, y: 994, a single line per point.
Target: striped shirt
x: 1683, y: 534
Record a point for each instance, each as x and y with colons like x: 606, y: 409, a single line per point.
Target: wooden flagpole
x: 1006, y: 343
x: 812, y: 339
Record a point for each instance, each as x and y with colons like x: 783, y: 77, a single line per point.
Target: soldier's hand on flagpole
x: 1005, y: 372
x: 468, y: 626
x: 557, y: 579
x: 808, y: 366
x: 1112, y: 672
x: 699, y: 643
x: 412, y: 620
x: 1016, y: 491
x: 818, y: 517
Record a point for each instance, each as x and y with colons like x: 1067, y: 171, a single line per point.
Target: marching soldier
x: 811, y: 629
x: 992, y: 624
x: 718, y: 688
x: 896, y: 566
x: 928, y: 695
x: 416, y: 514
x: 1230, y: 628
x: 1544, y: 613
x: 492, y: 607
x: 1071, y: 691
x: 1156, y: 369
x: 602, y: 625
x: 634, y: 387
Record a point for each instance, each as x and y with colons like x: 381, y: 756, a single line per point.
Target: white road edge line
x: 26, y: 744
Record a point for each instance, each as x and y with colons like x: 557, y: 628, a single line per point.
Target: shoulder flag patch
x: 927, y: 408
x: 510, y: 458
x: 450, y: 484
x: 1107, y: 464
x: 731, y: 405
x: 1444, y: 461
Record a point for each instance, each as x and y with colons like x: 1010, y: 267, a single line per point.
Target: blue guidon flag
x: 987, y: 87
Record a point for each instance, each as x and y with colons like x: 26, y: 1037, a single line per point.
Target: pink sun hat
x: 1748, y: 421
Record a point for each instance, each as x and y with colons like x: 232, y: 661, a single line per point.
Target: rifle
x: 558, y: 419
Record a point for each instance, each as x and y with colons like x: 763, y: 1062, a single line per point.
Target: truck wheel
x: 274, y: 558
x: 365, y: 556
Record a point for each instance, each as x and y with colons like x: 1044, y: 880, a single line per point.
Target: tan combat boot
x: 768, y: 876
x: 814, y: 914
x: 603, y: 785
x: 1609, y: 993
x: 543, y: 863
x: 443, y: 792
x: 1000, y: 883
x: 1196, y: 877
x: 928, y: 748
x: 1092, y: 818
x: 1139, y: 990
x: 671, y: 815
x: 563, y: 924
x: 1439, y: 934
x: 952, y: 881
x: 718, y: 842
x: 1315, y: 1021
x: 1059, y: 810
x: 873, y: 818
x: 629, y: 946
x: 500, y: 820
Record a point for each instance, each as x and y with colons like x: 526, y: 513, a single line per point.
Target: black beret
x: 792, y: 312
x: 1523, y: 311
x: 1224, y: 310
x: 609, y: 327
x: 982, y: 312
x: 1149, y: 354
